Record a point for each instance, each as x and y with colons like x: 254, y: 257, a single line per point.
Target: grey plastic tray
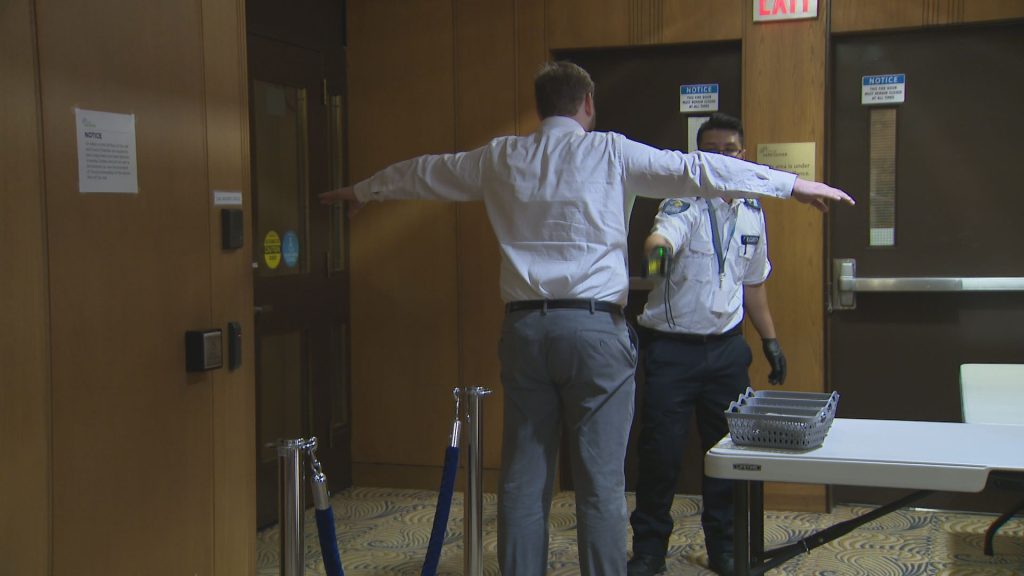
x: 780, y: 419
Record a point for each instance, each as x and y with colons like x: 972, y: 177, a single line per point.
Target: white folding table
x: 923, y: 456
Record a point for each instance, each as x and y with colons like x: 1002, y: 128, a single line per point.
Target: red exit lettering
x: 780, y: 7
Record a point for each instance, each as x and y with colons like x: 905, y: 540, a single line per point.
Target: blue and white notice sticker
x: 290, y: 248
x: 883, y: 89
x: 698, y: 98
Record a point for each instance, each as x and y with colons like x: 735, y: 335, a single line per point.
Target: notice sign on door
x: 883, y: 89
x: 106, y: 152
x: 698, y: 98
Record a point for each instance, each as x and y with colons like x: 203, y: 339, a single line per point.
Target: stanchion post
x: 474, y: 527
x: 290, y: 476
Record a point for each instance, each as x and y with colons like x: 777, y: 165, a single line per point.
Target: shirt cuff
x: 363, y: 193
x: 669, y: 235
x: 781, y: 183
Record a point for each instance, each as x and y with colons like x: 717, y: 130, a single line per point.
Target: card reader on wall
x: 232, y: 228
x: 234, y: 345
x: 204, y: 350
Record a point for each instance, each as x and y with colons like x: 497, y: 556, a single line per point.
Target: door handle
x: 845, y: 284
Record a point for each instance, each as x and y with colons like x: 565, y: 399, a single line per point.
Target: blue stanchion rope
x: 329, y: 542
x: 444, y: 505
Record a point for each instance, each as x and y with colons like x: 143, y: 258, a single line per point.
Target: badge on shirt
x: 753, y: 203
x: 674, y: 206
x: 720, y: 301
x: 749, y: 240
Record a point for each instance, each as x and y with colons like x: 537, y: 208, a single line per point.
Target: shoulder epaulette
x: 674, y: 206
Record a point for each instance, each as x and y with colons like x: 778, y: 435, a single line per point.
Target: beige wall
x: 471, y: 81
x: 117, y: 460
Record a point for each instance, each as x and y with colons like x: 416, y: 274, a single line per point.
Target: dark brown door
x: 939, y: 195
x: 637, y: 94
x: 300, y: 275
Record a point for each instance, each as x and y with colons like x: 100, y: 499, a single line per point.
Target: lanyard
x: 716, y: 240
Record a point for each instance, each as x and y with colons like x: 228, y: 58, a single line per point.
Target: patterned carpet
x: 385, y: 532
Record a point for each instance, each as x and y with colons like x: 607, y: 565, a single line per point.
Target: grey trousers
x: 570, y: 370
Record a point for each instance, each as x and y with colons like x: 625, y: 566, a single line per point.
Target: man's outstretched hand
x: 818, y: 195
x: 339, y: 195
x: 347, y: 193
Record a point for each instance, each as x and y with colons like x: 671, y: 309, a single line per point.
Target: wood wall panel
x: 234, y: 399
x: 603, y: 23
x: 588, y: 23
x: 403, y: 268
x: 868, y: 15
x: 25, y: 529
x: 784, y: 101
x: 704, y: 21
x: 400, y: 81
x: 485, y: 98
x: 129, y: 275
x: 531, y: 52
x: 857, y: 15
x: 989, y: 10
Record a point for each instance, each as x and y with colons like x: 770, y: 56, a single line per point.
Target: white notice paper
x: 693, y: 124
x: 227, y: 198
x: 106, y: 152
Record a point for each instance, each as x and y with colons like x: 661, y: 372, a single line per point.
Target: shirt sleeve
x: 454, y: 177
x: 674, y: 221
x: 760, y: 267
x: 657, y: 173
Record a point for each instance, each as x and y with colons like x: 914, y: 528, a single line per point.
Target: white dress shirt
x: 559, y: 200
x: 695, y: 297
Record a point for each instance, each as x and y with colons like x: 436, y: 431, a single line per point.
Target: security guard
x: 712, y: 257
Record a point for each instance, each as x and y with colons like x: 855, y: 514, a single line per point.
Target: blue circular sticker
x: 290, y: 248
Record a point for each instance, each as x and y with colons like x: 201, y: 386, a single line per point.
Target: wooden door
x: 299, y: 263
x: 637, y: 94
x: 938, y: 196
x: 133, y: 476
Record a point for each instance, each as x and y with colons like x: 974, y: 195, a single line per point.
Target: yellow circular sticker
x: 272, y: 249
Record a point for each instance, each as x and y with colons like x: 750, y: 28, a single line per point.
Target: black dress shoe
x: 645, y: 565
x: 722, y: 564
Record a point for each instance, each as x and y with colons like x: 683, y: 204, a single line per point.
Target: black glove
x: 776, y: 359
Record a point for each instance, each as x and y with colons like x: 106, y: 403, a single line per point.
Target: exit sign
x: 770, y: 10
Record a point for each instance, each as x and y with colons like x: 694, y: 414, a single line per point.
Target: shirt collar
x: 561, y: 124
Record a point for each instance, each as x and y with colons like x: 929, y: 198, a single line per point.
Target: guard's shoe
x: 722, y: 564
x: 645, y: 565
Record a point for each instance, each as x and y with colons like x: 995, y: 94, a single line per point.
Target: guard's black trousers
x: 684, y: 375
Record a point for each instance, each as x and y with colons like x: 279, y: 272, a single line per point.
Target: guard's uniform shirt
x: 687, y: 375
x: 695, y: 298
x: 559, y: 200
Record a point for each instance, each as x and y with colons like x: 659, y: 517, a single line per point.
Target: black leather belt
x: 592, y: 305
x: 698, y: 338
